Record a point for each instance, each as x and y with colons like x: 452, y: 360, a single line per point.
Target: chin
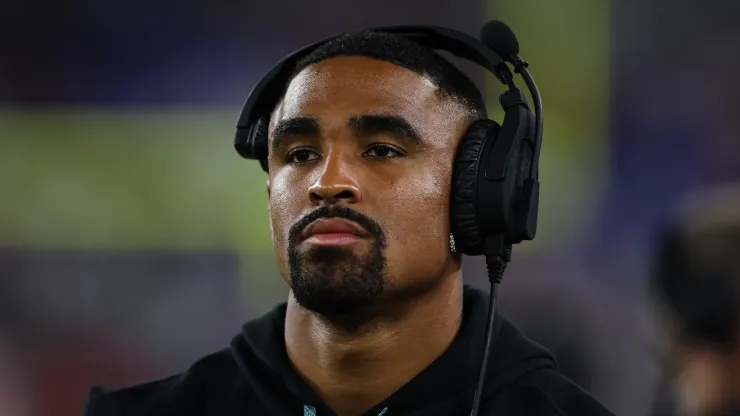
x: 336, y: 294
x: 334, y: 281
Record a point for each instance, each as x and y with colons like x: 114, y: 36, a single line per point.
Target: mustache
x: 371, y: 226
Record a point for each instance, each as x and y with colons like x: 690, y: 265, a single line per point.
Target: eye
x: 301, y: 155
x: 383, y: 151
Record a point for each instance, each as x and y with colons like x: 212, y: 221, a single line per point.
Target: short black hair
x: 401, y: 51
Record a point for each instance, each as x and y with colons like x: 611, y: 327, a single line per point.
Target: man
x: 697, y: 283
x: 378, y: 321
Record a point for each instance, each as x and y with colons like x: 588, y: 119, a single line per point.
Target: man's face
x: 360, y: 164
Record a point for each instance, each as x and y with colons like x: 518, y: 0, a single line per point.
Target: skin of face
x: 372, y: 143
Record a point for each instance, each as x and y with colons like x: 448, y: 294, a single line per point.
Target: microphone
x: 499, y: 37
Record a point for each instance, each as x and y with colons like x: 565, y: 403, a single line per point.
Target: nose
x: 335, y: 184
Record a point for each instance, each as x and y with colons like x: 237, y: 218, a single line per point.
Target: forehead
x: 350, y: 86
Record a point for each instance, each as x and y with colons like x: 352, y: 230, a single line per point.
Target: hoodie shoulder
x: 182, y: 394
x: 133, y: 400
x: 550, y: 393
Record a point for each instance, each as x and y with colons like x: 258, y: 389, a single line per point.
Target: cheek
x: 277, y: 225
x: 419, y: 220
x: 284, y: 207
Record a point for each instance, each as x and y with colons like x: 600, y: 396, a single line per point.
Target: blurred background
x: 134, y: 240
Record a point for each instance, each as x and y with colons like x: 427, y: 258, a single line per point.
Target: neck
x: 354, y: 369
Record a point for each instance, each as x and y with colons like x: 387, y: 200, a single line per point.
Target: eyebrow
x: 297, y: 126
x: 399, y: 127
x: 364, y: 125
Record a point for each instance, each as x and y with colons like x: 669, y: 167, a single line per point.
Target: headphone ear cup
x: 463, y: 221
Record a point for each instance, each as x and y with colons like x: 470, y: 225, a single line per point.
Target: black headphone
x: 495, y: 187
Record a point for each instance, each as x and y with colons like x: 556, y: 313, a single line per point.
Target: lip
x: 333, y: 232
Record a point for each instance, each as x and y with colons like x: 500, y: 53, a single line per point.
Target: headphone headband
x: 265, y: 95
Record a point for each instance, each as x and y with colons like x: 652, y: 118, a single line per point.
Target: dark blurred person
x: 377, y: 321
x: 697, y: 284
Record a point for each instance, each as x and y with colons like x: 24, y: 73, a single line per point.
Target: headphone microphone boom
x: 499, y: 37
x: 495, y: 188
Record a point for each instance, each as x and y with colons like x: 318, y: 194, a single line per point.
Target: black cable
x: 496, y: 269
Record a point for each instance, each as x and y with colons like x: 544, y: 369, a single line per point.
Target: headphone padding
x: 463, y: 221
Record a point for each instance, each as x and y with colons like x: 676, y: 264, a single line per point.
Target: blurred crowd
x: 100, y: 301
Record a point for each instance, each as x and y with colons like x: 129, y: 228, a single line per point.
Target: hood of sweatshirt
x: 445, y: 387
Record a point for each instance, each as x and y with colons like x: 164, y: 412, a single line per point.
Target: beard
x: 335, y: 281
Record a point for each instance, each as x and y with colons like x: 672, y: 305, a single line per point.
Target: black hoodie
x: 255, y: 377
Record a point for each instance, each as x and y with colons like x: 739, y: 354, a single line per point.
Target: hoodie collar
x: 447, y: 383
